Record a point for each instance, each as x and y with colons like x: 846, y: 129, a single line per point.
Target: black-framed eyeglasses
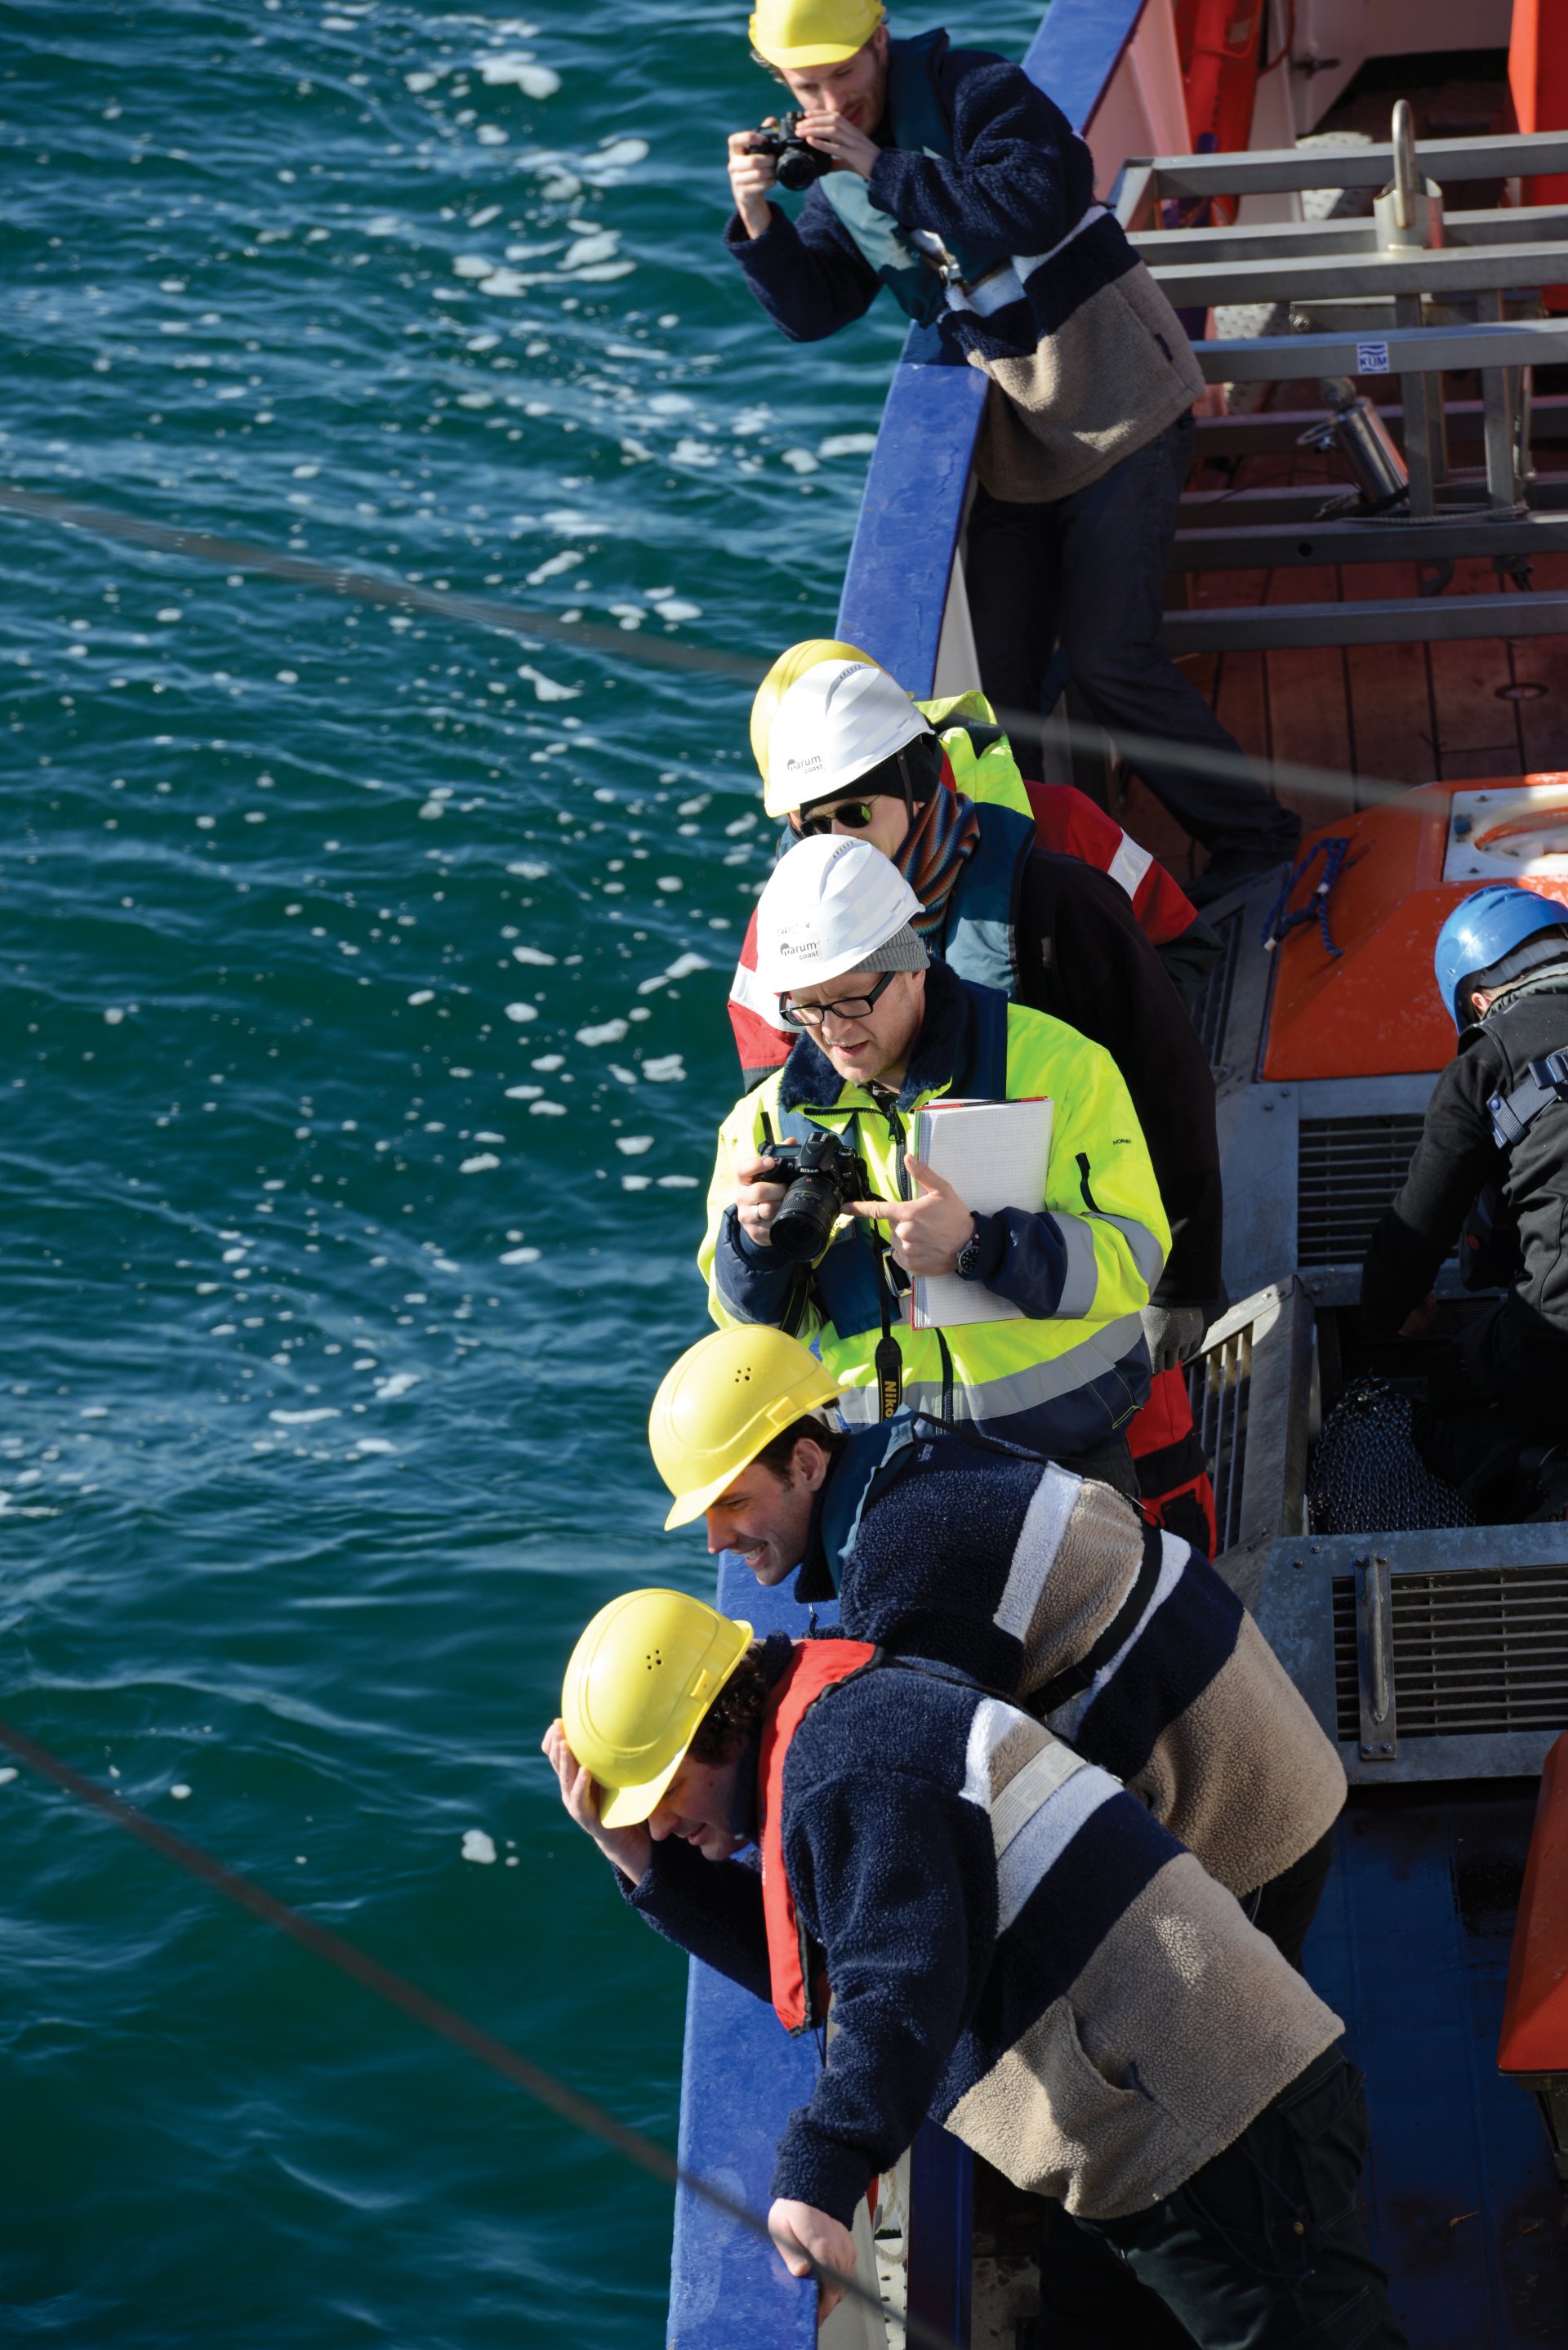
x: 845, y: 1007
x: 856, y: 815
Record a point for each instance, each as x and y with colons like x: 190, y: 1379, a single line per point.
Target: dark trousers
x: 1502, y: 1387
x: 1517, y: 1359
x: 1285, y: 1907
x: 1262, y: 2249
x: 1090, y: 570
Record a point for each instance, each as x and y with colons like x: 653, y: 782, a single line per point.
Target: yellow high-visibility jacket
x: 1059, y: 1381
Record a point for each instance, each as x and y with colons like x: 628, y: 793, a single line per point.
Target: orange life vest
x: 816, y: 1667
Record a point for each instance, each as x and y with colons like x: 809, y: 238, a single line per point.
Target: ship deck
x: 1408, y: 713
x: 1405, y: 714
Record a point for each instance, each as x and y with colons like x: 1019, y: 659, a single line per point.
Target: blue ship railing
x: 742, y: 2076
x: 896, y: 585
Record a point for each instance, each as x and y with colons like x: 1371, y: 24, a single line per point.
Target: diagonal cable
x: 431, y: 2013
x: 367, y: 587
x: 489, y: 612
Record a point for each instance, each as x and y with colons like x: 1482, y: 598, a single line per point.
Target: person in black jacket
x: 949, y: 177
x: 1491, y: 1164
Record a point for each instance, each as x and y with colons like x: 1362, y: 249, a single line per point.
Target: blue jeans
x: 1262, y: 2249
x: 1090, y: 570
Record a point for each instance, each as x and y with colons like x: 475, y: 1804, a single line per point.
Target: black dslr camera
x: 821, y: 1174
x: 798, y: 163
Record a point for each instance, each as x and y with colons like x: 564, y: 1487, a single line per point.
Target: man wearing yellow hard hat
x: 948, y: 176
x: 1049, y: 1588
x: 1011, y: 1947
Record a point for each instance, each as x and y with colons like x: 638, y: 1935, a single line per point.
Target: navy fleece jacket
x: 1054, y: 1591
x: 1015, y: 1947
x: 1019, y: 180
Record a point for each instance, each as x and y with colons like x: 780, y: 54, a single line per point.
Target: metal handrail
x: 1276, y: 170
x: 1407, y: 180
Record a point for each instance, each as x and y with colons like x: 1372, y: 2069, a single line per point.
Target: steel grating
x: 1347, y: 1171
x: 1477, y: 1651
x: 1219, y: 1388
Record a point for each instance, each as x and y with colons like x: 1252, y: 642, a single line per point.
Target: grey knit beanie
x: 903, y: 951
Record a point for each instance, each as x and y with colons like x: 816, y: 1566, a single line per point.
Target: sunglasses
x: 846, y: 1007
x: 855, y: 815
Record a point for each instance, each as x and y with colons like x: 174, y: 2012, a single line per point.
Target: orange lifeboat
x: 1353, y: 993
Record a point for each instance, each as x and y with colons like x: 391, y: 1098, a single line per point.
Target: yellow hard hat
x: 727, y: 1397
x: 812, y: 32
x: 640, y: 1682
x: 783, y: 674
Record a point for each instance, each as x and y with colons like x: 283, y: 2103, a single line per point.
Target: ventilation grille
x: 1347, y: 1171
x: 1211, y: 1012
x: 1219, y: 1386
x: 1477, y: 1651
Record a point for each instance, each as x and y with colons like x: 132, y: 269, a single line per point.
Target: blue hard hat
x: 1482, y: 928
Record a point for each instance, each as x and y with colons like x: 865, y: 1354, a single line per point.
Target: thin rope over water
x: 431, y: 2013
x: 485, y: 612
x: 343, y: 580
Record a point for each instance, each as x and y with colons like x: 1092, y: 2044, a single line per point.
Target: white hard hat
x: 835, y: 724
x: 830, y: 905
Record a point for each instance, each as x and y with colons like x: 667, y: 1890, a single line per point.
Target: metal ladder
x: 1372, y: 310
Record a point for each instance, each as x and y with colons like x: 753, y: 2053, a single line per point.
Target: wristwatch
x: 969, y: 1255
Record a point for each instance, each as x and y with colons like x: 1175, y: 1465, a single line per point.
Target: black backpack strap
x: 1513, y: 1113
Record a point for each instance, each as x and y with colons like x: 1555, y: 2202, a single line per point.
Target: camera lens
x: 799, y: 167
x: 807, y: 1214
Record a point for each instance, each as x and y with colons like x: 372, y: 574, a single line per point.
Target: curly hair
x: 734, y: 1712
x: 778, y: 1453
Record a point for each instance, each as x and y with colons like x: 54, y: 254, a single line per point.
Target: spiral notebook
x: 995, y: 1155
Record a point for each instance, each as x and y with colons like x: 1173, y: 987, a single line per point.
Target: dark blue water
x: 364, y: 982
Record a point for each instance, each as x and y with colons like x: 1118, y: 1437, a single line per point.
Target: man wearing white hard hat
x: 842, y: 749
x: 949, y: 176
x: 883, y: 1032
x: 977, y: 762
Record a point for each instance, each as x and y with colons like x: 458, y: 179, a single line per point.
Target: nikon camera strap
x: 889, y: 1358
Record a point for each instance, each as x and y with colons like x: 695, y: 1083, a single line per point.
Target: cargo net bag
x: 1367, y: 1474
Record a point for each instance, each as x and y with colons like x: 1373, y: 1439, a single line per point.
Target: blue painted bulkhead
x: 742, y: 2077
x: 1411, y: 1946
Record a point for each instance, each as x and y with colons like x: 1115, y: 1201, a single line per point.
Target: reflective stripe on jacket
x: 1073, y: 1369
x: 1017, y: 1951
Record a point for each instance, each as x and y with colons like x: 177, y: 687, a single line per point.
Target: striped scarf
x: 942, y: 836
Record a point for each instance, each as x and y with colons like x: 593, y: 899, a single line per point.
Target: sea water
x: 364, y: 980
